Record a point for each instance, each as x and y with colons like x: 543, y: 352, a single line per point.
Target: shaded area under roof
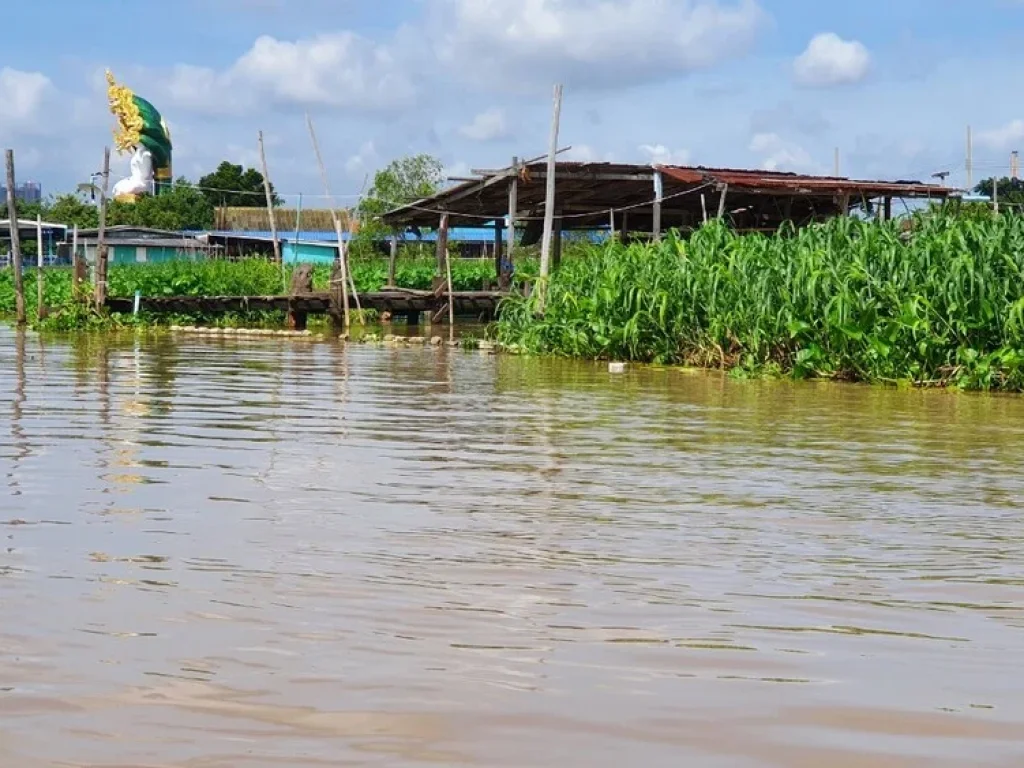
x: 587, y: 193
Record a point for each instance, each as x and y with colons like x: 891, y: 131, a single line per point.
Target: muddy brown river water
x: 241, y: 554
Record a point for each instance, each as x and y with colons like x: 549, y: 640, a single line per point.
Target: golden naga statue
x: 142, y: 131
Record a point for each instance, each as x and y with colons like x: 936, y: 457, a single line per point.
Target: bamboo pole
x: 76, y: 266
x: 270, y: 207
x: 40, y: 286
x: 549, y: 204
x: 342, y: 255
x: 101, y: 236
x: 12, y: 217
x: 513, y: 210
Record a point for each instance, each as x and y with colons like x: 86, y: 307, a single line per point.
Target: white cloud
x: 487, y: 126
x: 22, y: 97
x: 777, y: 154
x: 1004, y: 136
x: 830, y: 60
x: 659, y: 154
x: 360, y: 164
x: 340, y: 69
x: 583, y: 42
x: 585, y: 153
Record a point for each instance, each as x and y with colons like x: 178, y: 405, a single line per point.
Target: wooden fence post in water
x: 12, y: 216
x: 302, y: 285
x: 442, y: 250
x: 101, y: 236
x: 40, y: 285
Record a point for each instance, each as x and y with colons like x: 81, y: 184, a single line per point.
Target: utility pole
x: 835, y: 170
x: 1015, y: 165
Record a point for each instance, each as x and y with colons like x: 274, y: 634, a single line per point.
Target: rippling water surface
x: 228, y: 553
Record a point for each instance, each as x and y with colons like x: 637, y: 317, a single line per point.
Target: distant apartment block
x: 29, y: 192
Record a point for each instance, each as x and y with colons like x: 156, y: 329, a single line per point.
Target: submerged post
x: 549, y: 204
x: 12, y: 217
x: 101, y: 236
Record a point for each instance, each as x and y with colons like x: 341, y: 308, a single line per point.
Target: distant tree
x: 235, y: 186
x: 1011, y: 191
x: 179, y: 208
x: 405, y: 180
x: 72, y: 210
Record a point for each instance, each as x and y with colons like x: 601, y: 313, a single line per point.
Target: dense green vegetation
x: 253, y: 277
x: 940, y: 304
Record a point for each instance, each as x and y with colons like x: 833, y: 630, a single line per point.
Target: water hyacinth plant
x: 940, y: 302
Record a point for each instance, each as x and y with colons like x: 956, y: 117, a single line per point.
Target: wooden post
x: 658, y: 194
x: 888, y: 208
x: 391, y: 261
x: 556, y: 244
x: 12, y: 217
x: 442, y: 247
x: 844, y: 205
x: 278, y: 259
x: 704, y: 207
x: 611, y: 224
x: 451, y: 299
x: 101, y: 236
x: 77, y: 267
x: 40, y: 286
x: 513, y: 208
x: 549, y: 204
x: 342, y: 254
x: 499, y: 237
x: 302, y: 284
x: 721, y: 201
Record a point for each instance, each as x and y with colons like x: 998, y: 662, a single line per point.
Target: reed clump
x: 938, y: 300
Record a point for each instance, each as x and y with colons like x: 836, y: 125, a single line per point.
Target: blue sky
x: 752, y: 83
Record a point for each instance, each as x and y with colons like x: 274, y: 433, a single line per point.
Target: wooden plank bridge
x: 396, y: 301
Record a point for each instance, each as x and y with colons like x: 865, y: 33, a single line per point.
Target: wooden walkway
x: 410, y: 303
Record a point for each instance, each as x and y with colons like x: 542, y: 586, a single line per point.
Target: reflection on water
x: 220, y: 552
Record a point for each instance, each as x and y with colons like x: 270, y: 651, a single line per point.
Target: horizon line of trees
x: 192, y: 206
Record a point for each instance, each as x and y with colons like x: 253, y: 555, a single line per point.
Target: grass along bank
x: 941, y: 305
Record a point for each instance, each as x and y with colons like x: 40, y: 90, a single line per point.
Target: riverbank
x: 939, y: 304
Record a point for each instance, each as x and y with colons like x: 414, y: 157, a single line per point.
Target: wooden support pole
x: 556, y: 243
x: 499, y: 239
x: 12, y: 216
x: 549, y: 204
x: 100, y: 288
x: 451, y: 297
x: 392, y: 258
x: 659, y: 192
x: 888, y: 209
x: 611, y: 224
x: 278, y: 259
x: 704, y: 207
x: 505, y: 270
x: 442, y: 246
x: 721, y: 201
x: 77, y: 267
x: 40, y: 285
x: 302, y: 284
x: 341, y: 274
